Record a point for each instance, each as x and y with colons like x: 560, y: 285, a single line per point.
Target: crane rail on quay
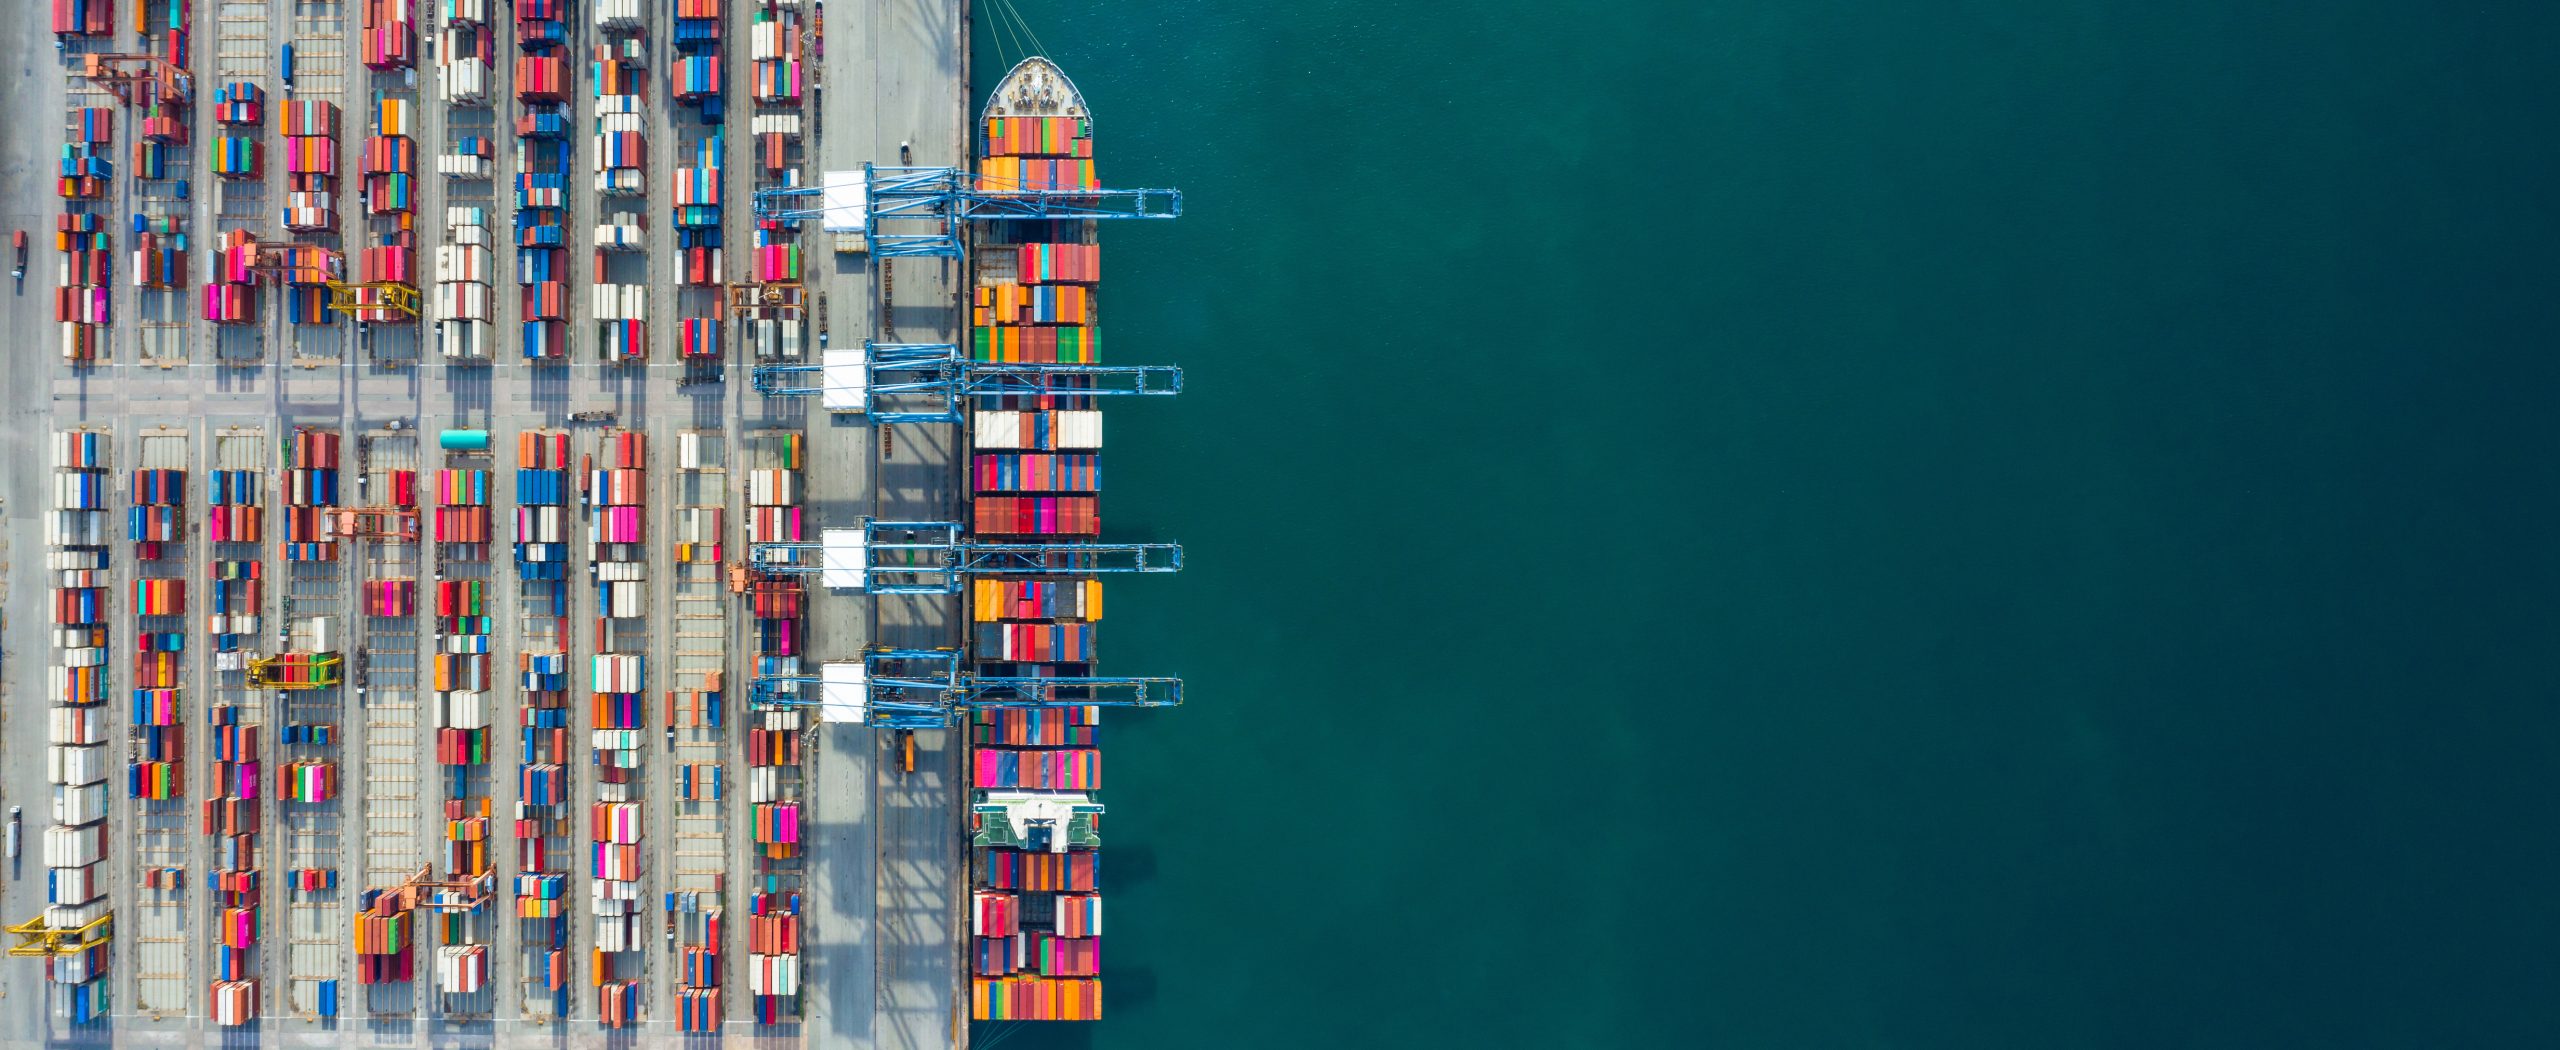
x: 858, y: 201
x: 927, y: 689
x: 930, y: 381
x: 931, y: 557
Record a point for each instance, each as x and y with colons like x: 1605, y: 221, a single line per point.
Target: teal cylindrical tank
x: 465, y: 440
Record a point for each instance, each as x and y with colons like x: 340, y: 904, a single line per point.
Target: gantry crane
x: 296, y: 670
x: 139, y: 79
x: 927, y: 689
x: 747, y: 295
x: 276, y: 260
x: 38, y: 937
x: 934, y: 557
x: 381, y: 523
x: 859, y: 202
x: 392, y: 295
x: 926, y: 382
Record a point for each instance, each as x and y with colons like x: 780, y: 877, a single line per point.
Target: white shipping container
x: 622, y: 182
x: 315, y: 634
x: 77, y: 968
x: 71, y: 885
x: 618, y: 933
x: 85, y: 656
x: 617, y: 739
x: 474, y: 12
x: 766, y: 39
x: 75, y: 915
x: 72, y: 847
x: 773, y: 488
x: 620, y: 571
x: 462, y: 302
x: 541, y: 525
x: 79, y: 804
x: 235, y: 1003
x: 464, y: 166
x: 688, y: 451
x: 620, y: 302
x: 463, y: 710
x: 621, y: 113
x: 617, y: 14
x: 617, y: 673
x: 764, y: 784
x: 462, y: 968
x: 77, y: 725
x: 773, y: 974
x: 785, y: 124
x: 75, y: 528
x: 463, y: 81
x: 1073, y: 429
x: 67, y: 446
x: 601, y: 891
x: 627, y: 601
x: 462, y: 262
x: 75, y: 560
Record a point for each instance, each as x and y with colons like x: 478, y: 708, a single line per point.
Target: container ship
x: 1035, y: 903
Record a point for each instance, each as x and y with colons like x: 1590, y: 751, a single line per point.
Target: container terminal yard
x: 552, y: 522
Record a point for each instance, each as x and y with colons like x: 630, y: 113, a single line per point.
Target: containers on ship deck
x: 1036, y: 472
x: 1035, y: 516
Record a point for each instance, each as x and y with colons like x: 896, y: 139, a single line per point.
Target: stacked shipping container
x: 311, y: 165
x: 463, y: 262
x: 76, y: 760
x: 83, y: 295
x: 235, y: 526
x: 463, y: 682
x: 542, y: 178
x: 616, y: 500
x: 541, y: 817
x: 774, y: 774
x: 1035, y: 474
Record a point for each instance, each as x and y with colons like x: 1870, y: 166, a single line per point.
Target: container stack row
x: 156, y: 523
x: 696, y: 216
x: 390, y: 34
x: 617, y: 498
x: 462, y: 677
x: 776, y: 605
x: 774, y: 45
x: 84, y: 292
x: 239, y: 106
x: 543, y: 849
x: 465, y: 53
x: 390, y: 171
x: 310, y: 493
x: 542, y: 178
x: 311, y: 166
x: 461, y: 309
x: 76, y: 755
x: 308, y: 675
x: 696, y: 901
x: 236, y: 602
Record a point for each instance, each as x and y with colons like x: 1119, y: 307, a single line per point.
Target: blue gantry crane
x: 934, y: 202
x: 927, y: 689
x: 927, y: 382
x: 935, y: 557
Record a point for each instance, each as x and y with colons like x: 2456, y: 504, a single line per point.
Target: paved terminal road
x: 887, y: 874
x: 883, y: 956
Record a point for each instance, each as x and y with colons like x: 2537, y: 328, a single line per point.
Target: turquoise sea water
x: 2009, y: 523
